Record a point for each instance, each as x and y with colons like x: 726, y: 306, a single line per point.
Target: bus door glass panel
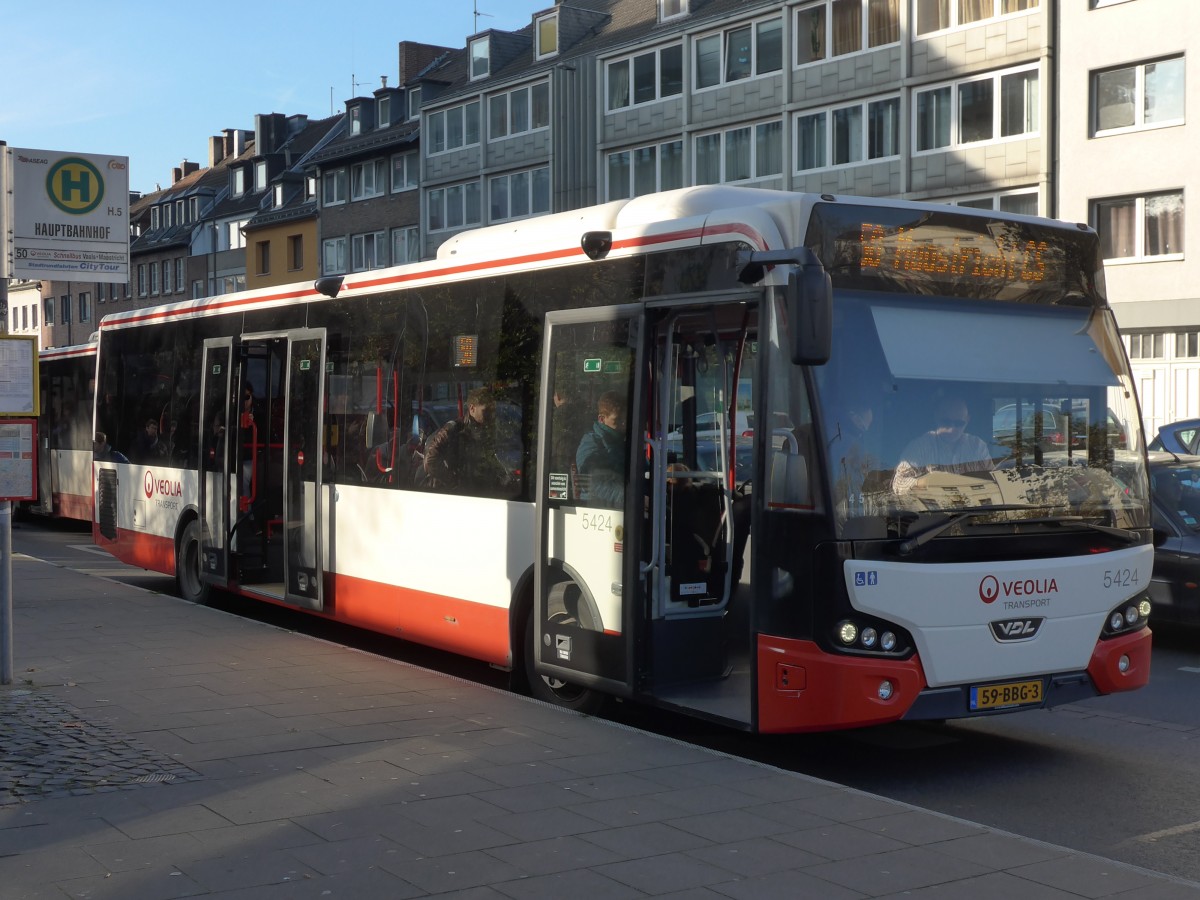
x: 696, y: 354
x: 302, y: 469
x: 215, y: 497
x: 587, y: 541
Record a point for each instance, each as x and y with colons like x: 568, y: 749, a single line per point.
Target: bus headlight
x: 1116, y: 621
x: 1131, y: 615
x: 847, y: 632
x: 869, y: 637
x: 888, y: 641
x: 886, y: 689
x: 1144, y: 608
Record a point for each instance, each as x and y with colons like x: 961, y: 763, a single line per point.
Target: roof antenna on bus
x: 329, y: 285
x: 596, y: 244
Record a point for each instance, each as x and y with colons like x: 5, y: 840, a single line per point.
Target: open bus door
x: 215, y: 464
x: 587, y: 573
x: 263, y: 505
x: 636, y: 594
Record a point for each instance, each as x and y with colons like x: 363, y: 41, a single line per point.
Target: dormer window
x: 239, y: 182
x: 384, y: 113
x: 414, y: 103
x: 547, y: 36
x: 669, y: 9
x: 277, y: 196
x: 154, y: 219
x: 260, y: 175
x: 480, y: 58
x: 355, y: 120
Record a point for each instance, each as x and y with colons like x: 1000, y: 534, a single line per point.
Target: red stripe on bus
x: 220, y: 306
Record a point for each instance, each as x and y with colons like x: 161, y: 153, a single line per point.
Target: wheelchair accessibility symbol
x: 866, y: 579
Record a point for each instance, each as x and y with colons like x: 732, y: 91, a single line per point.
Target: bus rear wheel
x: 554, y: 690
x: 187, y: 566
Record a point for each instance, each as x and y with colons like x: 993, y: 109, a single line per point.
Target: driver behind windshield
x: 946, y: 448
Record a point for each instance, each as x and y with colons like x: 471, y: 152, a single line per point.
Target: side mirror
x: 809, y: 305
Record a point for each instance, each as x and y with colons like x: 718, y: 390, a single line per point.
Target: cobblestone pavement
x: 50, y: 750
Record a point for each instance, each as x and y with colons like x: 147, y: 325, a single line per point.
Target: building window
x: 742, y: 52
x: 1145, y: 346
x: 519, y: 111
x: 669, y: 9
x: 262, y: 257
x: 235, y: 235
x: 456, y: 206
x: 739, y: 154
x: 995, y: 107
x: 406, y: 245
x: 1187, y: 344
x: 450, y: 129
x: 414, y: 102
x: 180, y: 213
x: 1140, y: 228
x: 333, y: 256
x: 155, y: 218
x: 384, y: 112
x: 193, y: 208
x: 295, y: 243
x: 355, y: 113
x: 547, y: 36
x: 520, y: 194
x: 239, y: 181
x: 260, y: 175
x: 141, y: 288
x: 846, y: 135
x: 480, y: 51
x: 645, y: 170
x: 1023, y: 202
x: 838, y: 27
x: 277, y: 196
x: 368, y: 251
x: 368, y: 179
x: 936, y: 15
x: 153, y: 269
x: 65, y: 309
x: 405, y: 169
x: 179, y: 273
x: 1147, y: 95
x: 85, y: 306
x: 49, y: 303
x: 333, y: 187
x: 167, y: 282
x: 645, y: 78
x: 33, y: 312
x: 197, y: 289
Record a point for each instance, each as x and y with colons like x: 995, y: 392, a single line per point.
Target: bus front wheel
x: 187, y: 566
x: 554, y: 690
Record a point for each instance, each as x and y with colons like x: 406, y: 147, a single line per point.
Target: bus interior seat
x: 789, y: 477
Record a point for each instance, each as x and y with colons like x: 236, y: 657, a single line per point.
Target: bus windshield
x: 933, y: 405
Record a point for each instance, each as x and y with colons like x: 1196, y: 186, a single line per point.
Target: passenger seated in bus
x: 947, y: 448
x: 103, y: 452
x: 461, y: 455
x: 601, y: 456
x: 147, y: 447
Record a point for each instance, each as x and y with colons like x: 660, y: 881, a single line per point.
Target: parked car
x: 1175, y: 515
x: 1179, y: 437
x: 1053, y: 427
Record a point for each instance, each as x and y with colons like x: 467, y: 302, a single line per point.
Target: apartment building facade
x: 1127, y: 133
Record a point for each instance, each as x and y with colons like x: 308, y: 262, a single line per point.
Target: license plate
x: 1013, y: 693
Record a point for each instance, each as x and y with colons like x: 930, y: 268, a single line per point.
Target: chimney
x: 189, y: 167
x: 270, y: 132
x: 415, y: 57
x: 176, y: 174
x: 216, y: 150
x: 383, y: 82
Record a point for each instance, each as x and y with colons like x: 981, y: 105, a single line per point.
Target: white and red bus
x: 777, y: 575
x: 67, y: 381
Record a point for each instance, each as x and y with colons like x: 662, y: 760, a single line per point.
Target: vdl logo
x: 75, y: 186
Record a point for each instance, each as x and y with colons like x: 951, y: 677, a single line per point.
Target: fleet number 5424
x: 1120, y: 578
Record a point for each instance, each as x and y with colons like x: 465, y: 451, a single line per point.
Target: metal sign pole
x: 6, y: 612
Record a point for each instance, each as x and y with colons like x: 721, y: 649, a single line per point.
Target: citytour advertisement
x: 66, y: 216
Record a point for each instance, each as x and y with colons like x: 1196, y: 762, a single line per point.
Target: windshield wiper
x: 926, y: 535
x: 1124, y: 534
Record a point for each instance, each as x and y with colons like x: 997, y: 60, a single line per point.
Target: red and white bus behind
x: 67, y: 382
x: 844, y: 556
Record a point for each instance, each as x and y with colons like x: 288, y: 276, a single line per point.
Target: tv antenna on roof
x: 478, y: 14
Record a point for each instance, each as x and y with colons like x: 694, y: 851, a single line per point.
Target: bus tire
x: 554, y: 690
x: 188, y: 583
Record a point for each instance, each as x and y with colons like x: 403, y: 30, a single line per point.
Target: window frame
x: 441, y: 196
x: 827, y: 37
x: 664, y: 9
x: 659, y: 185
x: 531, y: 106
x: 610, y: 66
x: 827, y: 114
x: 407, y: 235
x: 374, y: 171
x: 1140, y: 223
x: 443, y: 116
x: 725, y: 133
x: 473, y: 72
x: 378, y: 241
x: 724, y: 35
x: 1139, y: 100
x: 340, y: 181
x: 952, y: 16
x: 997, y: 112
x: 339, y: 246
x: 539, y: 22
x: 530, y: 194
x: 409, y: 163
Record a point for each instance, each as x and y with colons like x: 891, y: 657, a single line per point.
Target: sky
x: 153, y: 81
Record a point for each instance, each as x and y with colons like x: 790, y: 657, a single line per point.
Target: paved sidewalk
x: 150, y: 748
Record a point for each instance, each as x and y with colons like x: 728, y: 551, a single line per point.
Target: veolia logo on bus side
x: 75, y: 186
x: 164, y: 487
